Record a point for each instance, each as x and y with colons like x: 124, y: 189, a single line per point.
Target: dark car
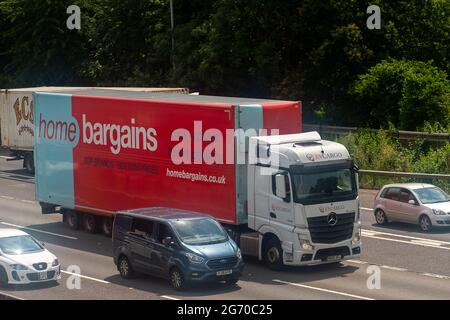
x: 182, y: 246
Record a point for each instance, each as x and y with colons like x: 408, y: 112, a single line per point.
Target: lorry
x: 286, y: 197
x: 17, y: 122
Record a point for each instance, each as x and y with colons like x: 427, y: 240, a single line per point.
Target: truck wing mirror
x: 280, y: 185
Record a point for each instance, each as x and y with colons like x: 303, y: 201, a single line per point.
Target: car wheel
x: 90, y: 223
x: 72, y: 219
x: 177, y: 280
x: 107, y: 226
x: 380, y: 217
x: 273, y: 254
x: 3, y: 278
x: 425, y: 223
x: 125, y: 268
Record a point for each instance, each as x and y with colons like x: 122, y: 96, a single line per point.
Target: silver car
x: 418, y: 203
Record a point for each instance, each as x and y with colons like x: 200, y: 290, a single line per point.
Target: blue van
x: 182, y: 246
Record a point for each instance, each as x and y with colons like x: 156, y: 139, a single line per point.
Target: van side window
x: 163, y: 232
x: 123, y: 223
x: 143, y: 228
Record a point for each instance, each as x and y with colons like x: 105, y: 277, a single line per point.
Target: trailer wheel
x: 107, y: 226
x: 90, y: 223
x: 273, y: 254
x: 28, y: 162
x: 72, y: 219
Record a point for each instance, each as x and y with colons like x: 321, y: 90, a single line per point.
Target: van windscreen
x: 200, y: 231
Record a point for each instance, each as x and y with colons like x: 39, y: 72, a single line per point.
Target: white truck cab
x: 302, y: 201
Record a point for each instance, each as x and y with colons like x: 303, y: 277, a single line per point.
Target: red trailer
x: 99, y: 151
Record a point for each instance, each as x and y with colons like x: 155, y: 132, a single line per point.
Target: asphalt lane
x: 411, y: 267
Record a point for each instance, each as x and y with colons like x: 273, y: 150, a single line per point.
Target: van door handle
x: 273, y: 215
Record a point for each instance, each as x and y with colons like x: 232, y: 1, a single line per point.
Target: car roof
x: 163, y: 213
x: 410, y: 185
x: 11, y: 233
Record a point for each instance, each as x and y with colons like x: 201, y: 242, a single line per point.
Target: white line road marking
x: 356, y: 261
x: 8, y: 197
x: 170, y: 298
x: 434, y: 243
x: 324, y: 290
x: 11, y: 296
x: 374, y: 232
x: 37, y: 230
x: 407, y: 242
x: 85, y: 277
x: 436, y: 276
x: 368, y: 209
x: 394, y: 268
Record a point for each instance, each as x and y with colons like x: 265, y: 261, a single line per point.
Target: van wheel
x: 28, y: 163
x: 90, y: 223
x: 380, y: 217
x: 72, y: 219
x: 273, y: 254
x: 425, y: 223
x: 125, y: 268
x: 177, y: 280
x: 107, y: 226
x: 3, y: 278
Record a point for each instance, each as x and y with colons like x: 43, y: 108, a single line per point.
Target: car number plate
x: 334, y: 258
x: 224, y: 272
x: 42, y: 275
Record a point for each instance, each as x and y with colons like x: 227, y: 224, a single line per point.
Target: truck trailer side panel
x: 104, y: 154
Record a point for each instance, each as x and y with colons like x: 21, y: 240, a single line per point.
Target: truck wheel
x: 177, y: 280
x: 273, y: 254
x: 28, y: 163
x: 72, y: 219
x: 107, y: 226
x: 125, y: 268
x: 90, y: 223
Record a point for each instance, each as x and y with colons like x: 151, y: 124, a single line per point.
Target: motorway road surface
x: 413, y: 265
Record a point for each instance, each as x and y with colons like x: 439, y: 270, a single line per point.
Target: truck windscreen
x: 324, y: 186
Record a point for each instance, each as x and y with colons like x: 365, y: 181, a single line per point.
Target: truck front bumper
x: 323, y: 254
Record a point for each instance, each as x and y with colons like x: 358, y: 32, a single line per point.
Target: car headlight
x: 438, y: 212
x: 239, y: 254
x: 18, y: 267
x: 194, y: 258
x: 55, y: 263
x: 306, y: 245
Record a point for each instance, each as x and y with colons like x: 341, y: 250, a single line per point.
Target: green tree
x: 404, y: 93
x: 42, y: 50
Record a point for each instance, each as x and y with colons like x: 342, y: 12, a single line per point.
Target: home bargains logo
x: 118, y: 137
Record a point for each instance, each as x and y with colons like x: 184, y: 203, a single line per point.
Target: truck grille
x: 322, y: 232
x: 222, y: 263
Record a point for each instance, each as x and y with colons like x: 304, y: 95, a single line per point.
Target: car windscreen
x: 200, y: 231
x: 19, y: 245
x: 330, y: 185
x: 431, y: 195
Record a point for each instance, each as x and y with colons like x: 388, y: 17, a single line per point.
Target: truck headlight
x: 239, y: 254
x: 356, y: 238
x: 438, y: 212
x: 306, y: 245
x: 18, y: 267
x: 194, y: 258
